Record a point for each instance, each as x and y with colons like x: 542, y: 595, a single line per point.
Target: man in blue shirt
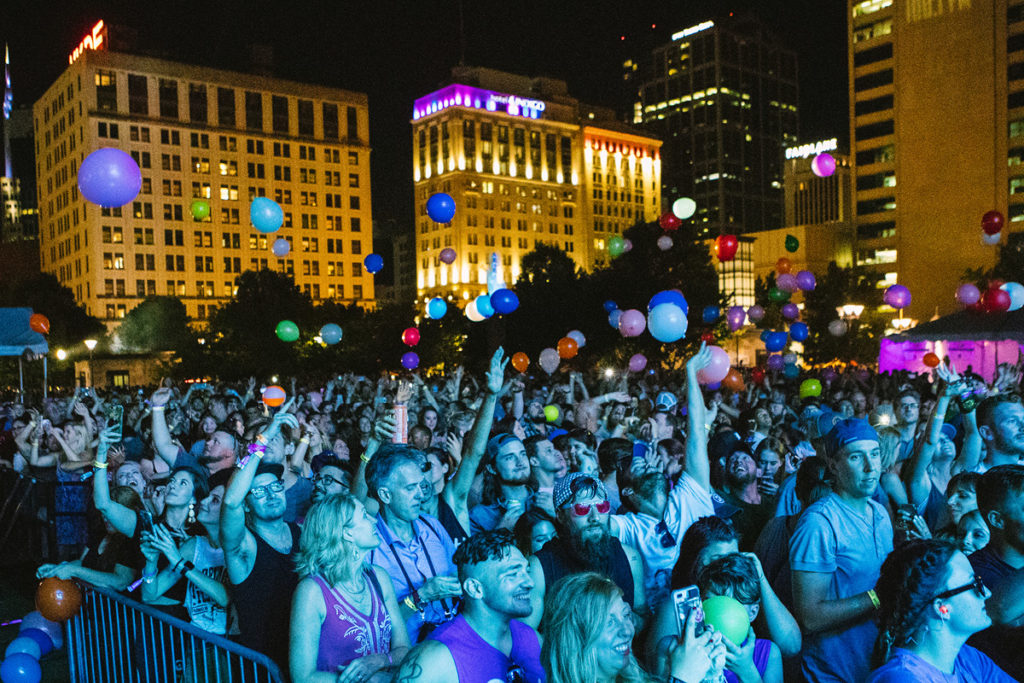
x: 835, y: 555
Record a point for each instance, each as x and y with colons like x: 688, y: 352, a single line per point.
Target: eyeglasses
x: 272, y: 487
x: 515, y: 674
x: 977, y: 585
x: 666, y: 538
x: 583, y: 510
x: 327, y: 480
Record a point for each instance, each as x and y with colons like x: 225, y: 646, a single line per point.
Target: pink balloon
x: 968, y: 294
x: 787, y: 282
x: 717, y: 369
x: 627, y: 245
x: 632, y: 323
x: 637, y: 362
x: 447, y: 255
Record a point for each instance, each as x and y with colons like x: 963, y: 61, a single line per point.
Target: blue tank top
x: 477, y: 661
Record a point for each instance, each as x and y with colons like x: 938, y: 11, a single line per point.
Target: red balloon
x: 725, y: 247
x: 708, y: 337
x: 411, y: 336
x: 40, y: 323
x: 757, y: 375
x: 58, y: 599
x: 931, y: 360
x: 995, y: 301
x: 669, y: 221
x: 992, y: 222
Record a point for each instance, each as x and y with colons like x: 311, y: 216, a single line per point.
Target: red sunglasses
x: 584, y: 510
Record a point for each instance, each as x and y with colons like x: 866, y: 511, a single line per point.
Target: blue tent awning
x: 15, y: 334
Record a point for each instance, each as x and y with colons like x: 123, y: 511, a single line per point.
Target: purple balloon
x: 829, y: 375
x: 755, y: 313
x: 786, y: 282
x: 637, y: 362
x: 410, y: 361
x: 968, y: 294
x: 447, y: 255
x: 632, y: 323
x: 823, y: 165
x: 897, y: 296
x: 805, y: 280
x: 109, y: 177
x: 775, y: 362
x: 281, y: 247
x: 791, y: 311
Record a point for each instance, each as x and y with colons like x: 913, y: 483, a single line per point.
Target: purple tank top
x: 477, y: 661
x: 347, y: 633
x: 762, y: 648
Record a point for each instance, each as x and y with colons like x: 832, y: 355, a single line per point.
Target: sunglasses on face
x: 272, y: 487
x: 977, y: 585
x: 583, y: 510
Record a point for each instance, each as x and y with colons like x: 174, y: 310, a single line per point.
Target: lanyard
x: 449, y: 609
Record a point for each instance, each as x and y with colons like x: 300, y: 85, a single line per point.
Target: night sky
x: 397, y: 51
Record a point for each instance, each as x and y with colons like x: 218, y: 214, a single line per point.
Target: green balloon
x: 287, y: 331
x: 728, y: 616
x: 200, y: 209
x: 778, y: 296
x: 792, y: 243
x: 616, y: 245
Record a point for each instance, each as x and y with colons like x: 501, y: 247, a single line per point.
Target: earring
x: 191, y: 513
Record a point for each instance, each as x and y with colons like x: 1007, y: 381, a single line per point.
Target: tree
x: 159, y: 323
x: 840, y: 286
x: 69, y: 322
x: 1009, y: 265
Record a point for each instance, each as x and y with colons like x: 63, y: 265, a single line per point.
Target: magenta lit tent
x: 980, y: 341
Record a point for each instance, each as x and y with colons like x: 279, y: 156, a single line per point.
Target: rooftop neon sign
x: 702, y: 26
x: 92, y: 41
x: 812, y: 149
x: 457, y: 95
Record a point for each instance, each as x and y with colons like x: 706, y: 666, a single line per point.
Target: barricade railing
x: 115, y: 638
x: 28, y: 522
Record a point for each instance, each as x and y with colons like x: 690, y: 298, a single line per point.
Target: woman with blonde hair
x: 361, y: 634
x: 588, y: 631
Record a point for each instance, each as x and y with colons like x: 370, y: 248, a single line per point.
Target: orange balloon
x: 931, y: 360
x: 783, y: 265
x: 58, y: 599
x: 40, y: 323
x: 733, y: 380
x: 274, y: 395
x: 520, y: 362
x: 567, y: 348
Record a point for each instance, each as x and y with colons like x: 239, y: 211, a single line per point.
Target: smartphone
x: 686, y: 600
x: 115, y: 417
x: 146, y: 520
x: 904, y: 513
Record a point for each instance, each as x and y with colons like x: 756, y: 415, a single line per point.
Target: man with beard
x: 744, y: 505
x: 329, y: 477
x: 584, y: 544
x: 487, y: 641
x: 506, y: 494
x: 1001, y: 426
x: 219, y: 453
x: 259, y: 547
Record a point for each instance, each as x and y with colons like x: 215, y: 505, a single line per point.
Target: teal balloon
x: 483, y: 306
x: 778, y: 296
x: 791, y: 371
x: 728, y: 616
x: 667, y: 322
x: 266, y: 215
x: 25, y: 645
x: 287, y: 331
x: 330, y: 333
x: 436, y: 308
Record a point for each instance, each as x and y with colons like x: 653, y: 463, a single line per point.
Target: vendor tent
x: 977, y: 340
x: 16, y: 337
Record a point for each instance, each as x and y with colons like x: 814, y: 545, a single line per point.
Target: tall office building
x: 17, y: 189
x: 527, y: 164
x: 722, y: 95
x: 937, y: 127
x: 200, y: 133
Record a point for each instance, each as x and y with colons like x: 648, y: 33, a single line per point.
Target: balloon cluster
x: 670, y: 221
x: 40, y: 632
x: 502, y: 301
x: 991, y: 227
x: 288, y: 331
x: 549, y: 359
x: 998, y: 297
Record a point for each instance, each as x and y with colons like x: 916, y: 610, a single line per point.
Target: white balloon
x: 471, y: 312
x: 684, y: 208
x: 837, y: 328
x: 664, y: 243
x: 991, y: 240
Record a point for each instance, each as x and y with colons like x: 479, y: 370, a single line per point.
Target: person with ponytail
x: 931, y: 603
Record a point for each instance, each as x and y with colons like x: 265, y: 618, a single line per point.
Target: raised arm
x: 122, y: 518
x: 970, y: 452
x: 697, y: 465
x: 162, y: 443
x: 917, y: 480
x: 383, y: 431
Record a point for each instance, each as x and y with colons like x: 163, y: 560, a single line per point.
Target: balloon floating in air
x: 200, y: 209
x: 823, y: 165
x: 441, y: 208
x: 109, y: 177
x: 447, y: 255
x: 684, y: 208
x: 281, y: 247
x: 436, y: 308
x: 373, y: 263
x: 287, y: 331
x: 331, y: 334
x: 266, y: 215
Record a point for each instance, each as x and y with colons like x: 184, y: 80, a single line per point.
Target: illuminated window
x: 870, y: 7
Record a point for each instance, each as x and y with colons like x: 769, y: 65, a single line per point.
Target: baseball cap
x: 567, y: 487
x: 823, y: 423
x: 497, y: 442
x: 666, y: 401
x: 846, y: 432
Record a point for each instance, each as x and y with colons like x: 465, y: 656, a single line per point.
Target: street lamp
x: 90, y: 344
x: 850, y: 311
x: 62, y: 354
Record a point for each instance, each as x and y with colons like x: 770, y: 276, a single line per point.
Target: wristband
x: 410, y: 604
x: 304, y: 440
x: 364, y: 457
x: 873, y: 596
x: 256, y: 449
x: 148, y: 578
x: 187, y: 568
x: 177, y: 565
x: 99, y: 465
x: 157, y: 408
x: 262, y: 440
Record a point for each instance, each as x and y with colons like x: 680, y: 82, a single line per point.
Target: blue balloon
x: 764, y: 334
x: 714, y: 386
x: 373, y: 263
x: 667, y: 322
x: 669, y: 296
x: 41, y: 637
x: 711, y: 314
x: 799, y: 331
x: 483, y: 306
x: 20, y: 668
x: 791, y: 371
x: 26, y: 645
x: 266, y: 215
x: 613, y: 318
x: 776, y: 341
x: 330, y: 333
x: 436, y: 308
x: 504, y: 301
x: 410, y: 361
x: 109, y: 177
x: 441, y: 208
x: 610, y: 306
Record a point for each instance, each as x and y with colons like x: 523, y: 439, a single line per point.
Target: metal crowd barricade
x: 114, y: 638
x: 28, y: 527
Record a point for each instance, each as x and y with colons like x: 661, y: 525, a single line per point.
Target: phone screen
x: 686, y: 600
x: 115, y: 418
x: 639, y: 450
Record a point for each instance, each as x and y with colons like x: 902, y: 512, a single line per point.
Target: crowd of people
x: 524, y: 529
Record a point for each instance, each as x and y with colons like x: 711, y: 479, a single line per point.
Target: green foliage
x: 160, y: 323
x: 839, y: 286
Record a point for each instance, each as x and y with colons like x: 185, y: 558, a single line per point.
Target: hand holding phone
x: 146, y: 520
x: 685, y: 601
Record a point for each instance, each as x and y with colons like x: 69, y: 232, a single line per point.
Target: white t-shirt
x: 687, y: 502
